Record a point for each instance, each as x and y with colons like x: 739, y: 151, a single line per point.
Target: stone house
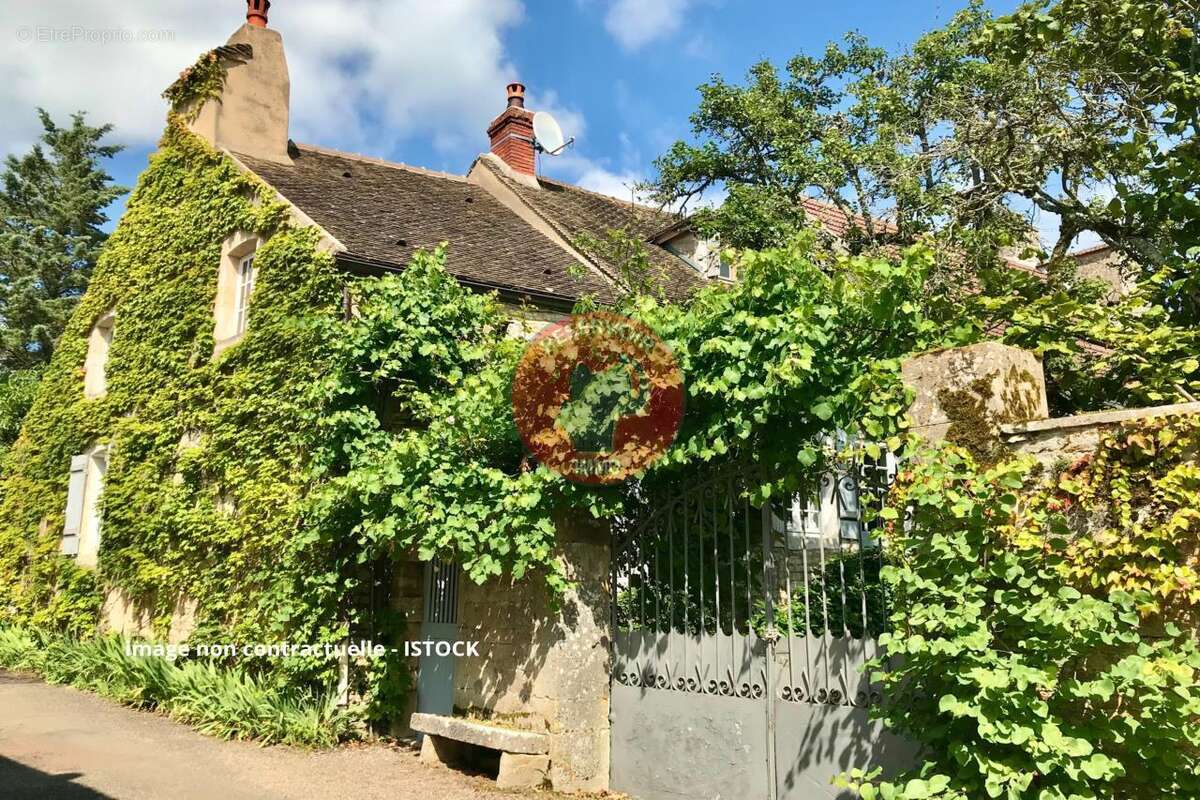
x: 543, y: 672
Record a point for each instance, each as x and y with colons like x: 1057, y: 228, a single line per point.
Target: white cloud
x: 365, y: 73
x: 575, y: 166
x: 616, y: 184
x: 636, y: 23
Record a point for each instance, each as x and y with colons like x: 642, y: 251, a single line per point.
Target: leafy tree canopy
x: 1085, y: 109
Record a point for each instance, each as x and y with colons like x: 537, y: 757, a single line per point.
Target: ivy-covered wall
x: 208, y: 454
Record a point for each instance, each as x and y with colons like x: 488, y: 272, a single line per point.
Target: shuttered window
x: 74, y: 512
x: 81, y: 523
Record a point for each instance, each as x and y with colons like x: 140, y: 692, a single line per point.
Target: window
x: 834, y: 510
x: 81, y: 527
x: 245, y: 286
x: 724, y: 268
x: 95, y: 365
x: 235, y: 285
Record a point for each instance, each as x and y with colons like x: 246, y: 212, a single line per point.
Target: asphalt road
x: 57, y: 742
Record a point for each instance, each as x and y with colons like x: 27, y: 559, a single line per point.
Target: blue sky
x: 417, y: 82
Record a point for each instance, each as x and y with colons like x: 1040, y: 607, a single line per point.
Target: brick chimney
x: 251, y: 114
x: 511, y: 133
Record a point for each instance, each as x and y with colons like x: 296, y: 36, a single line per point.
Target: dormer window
x: 701, y: 254
x: 235, y: 289
x: 95, y: 364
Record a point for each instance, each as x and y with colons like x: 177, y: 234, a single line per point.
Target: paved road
x: 57, y: 742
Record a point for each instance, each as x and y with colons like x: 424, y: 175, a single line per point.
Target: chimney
x: 250, y: 115
x: 256, y: 12
x: 511, y: 133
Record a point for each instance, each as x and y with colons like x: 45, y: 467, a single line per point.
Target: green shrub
x: 219, y: 701
x: 1016, y: 683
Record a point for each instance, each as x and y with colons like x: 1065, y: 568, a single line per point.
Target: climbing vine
x: 199, y: 82
x: 206, y: 472
x: 1134, y: 508
x: 1045, y: 622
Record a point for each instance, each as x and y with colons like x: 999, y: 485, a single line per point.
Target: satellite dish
x: 547, y: 135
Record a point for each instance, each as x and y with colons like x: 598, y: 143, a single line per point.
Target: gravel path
x: 57, y: 742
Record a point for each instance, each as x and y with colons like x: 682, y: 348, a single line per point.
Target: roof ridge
x: 1087, y: 251
x: 605, y: 269
x: 608, y: 197
x: 328, y: 151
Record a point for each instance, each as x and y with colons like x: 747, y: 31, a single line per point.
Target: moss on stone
x: 972, y: 427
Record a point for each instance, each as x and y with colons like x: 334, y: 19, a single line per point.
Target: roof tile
x: 384, y: 212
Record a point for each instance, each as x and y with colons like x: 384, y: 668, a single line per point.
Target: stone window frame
x: 83, y: 525
x: 95, y: 364
x: 235, y: 288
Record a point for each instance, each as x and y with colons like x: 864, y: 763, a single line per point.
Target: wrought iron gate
x: 739, y: 636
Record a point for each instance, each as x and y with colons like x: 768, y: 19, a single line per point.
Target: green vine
x: 206, y: 472
x: 202, y: 81
x: 1045, y: 623
x: 1134, y: 505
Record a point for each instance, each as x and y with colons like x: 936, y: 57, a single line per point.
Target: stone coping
x: 1097, y: 418
x: 480, y: 734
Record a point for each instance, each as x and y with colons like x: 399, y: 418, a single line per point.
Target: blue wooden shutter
x: 74, y: 513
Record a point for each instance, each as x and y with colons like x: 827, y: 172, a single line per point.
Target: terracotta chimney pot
x: 256, y: 12
x: 511, y: 133
x: 516, y: 95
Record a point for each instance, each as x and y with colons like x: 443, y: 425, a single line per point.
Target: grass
x: 224, y: 702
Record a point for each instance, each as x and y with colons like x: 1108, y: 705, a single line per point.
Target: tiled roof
x: 383, y: 212
x: 834, y: 220
x: 1098, y: 252
x: 573, y: 211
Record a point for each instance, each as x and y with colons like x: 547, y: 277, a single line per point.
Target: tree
x: 1086, y: 109
x: 1102, y: 128
x: 956, y: 143
x: 51, y: 212
x: 17, y: 390
x: 857, y: 129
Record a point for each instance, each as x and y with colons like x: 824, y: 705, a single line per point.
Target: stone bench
x: 524, y: 759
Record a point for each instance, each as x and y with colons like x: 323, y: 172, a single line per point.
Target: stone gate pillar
x: 543, y: 666
x: 965, y: 394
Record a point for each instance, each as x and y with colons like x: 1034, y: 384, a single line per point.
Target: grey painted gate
x: 739, y: 633
x: 435, y: 675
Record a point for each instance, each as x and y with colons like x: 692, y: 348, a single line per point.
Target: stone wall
x: 133, y: 617
x: 991, y: 399
x: 1070, y: 438
x: 545, y: 668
